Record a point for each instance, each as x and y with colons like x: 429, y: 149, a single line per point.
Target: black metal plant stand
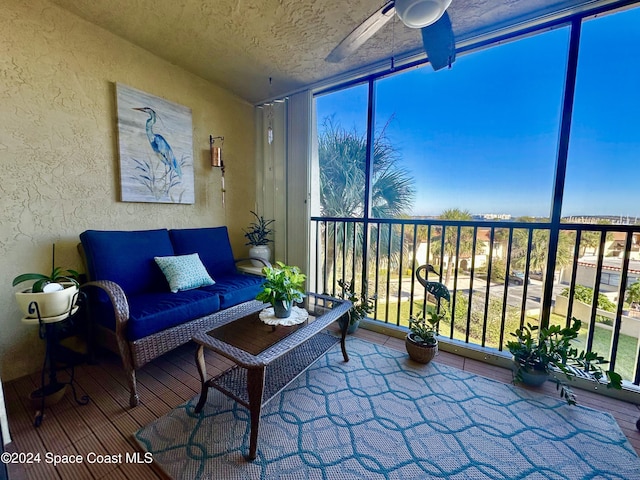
x: 53, y: 360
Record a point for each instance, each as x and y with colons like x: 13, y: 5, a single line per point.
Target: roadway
x: 496, y: 290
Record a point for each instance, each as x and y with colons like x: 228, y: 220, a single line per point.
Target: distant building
x: 494, y: 216
x: 613, y: 219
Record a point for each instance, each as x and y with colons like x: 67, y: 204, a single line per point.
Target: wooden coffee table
x: 267, y: 358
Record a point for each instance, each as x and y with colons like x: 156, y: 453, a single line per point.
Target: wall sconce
x: 216, y: 152
x: 216, y: 158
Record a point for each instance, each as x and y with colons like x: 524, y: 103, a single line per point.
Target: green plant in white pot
x: 283, y: 286
x: 54, y: 293
x: 257, y: 235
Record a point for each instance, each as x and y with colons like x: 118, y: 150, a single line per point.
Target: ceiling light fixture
x: 420, y: 13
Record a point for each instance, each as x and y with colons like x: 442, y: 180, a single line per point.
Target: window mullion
x: 561, y: 167
x: 368, y: 173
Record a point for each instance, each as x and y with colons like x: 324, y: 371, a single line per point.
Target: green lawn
x: 459, y: 333
x: 627, y: 349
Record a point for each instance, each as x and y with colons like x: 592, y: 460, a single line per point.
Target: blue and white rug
x: 382, y: 416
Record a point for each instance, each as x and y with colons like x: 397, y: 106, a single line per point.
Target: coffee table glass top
x: 252, y: 335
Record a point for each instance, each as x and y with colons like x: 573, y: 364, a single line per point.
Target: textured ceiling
x: 239, y: 44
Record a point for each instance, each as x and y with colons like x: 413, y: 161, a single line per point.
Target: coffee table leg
x: 255, y: 387
x: 202, y: 370
x: 343, y: 345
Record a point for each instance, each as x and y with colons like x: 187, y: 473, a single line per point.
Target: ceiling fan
x: 429, y: 16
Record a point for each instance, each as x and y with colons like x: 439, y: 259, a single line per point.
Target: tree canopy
x: 342, y: 160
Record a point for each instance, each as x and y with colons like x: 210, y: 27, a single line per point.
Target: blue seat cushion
x: 150, y: 313
x: 212, y: 244
x: 126, y: 257
x: 235, y: 288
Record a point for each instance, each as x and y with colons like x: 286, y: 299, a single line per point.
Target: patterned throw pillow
x: 184, y: 272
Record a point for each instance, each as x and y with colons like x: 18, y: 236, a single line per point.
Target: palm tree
x: 342, y: 157
x: 451, y: 239
x: 539, y: 249
x: 591, y: 240
x: 342, y: 162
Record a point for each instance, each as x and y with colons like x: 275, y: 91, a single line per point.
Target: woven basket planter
x: 418, y: 352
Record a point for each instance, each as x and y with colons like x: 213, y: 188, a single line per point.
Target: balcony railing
x: 498, y: 276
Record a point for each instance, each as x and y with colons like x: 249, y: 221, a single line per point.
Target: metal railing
x: 496, y: 272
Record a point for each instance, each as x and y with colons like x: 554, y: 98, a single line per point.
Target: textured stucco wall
x: 58, y: 151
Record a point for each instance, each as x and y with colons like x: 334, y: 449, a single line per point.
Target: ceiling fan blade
x: 362, y: 33
x: 439, y: 43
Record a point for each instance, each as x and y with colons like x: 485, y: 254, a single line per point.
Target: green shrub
x: 585, y: 295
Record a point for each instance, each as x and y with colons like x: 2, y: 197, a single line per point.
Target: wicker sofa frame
x: 139, y: 352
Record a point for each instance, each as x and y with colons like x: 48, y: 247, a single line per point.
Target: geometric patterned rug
x: 382, y: 416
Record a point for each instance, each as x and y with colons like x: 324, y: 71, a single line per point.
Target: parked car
x: 535, y: 275
x: 517, y: 278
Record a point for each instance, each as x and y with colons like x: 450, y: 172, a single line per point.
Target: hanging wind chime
x: 270, y: 118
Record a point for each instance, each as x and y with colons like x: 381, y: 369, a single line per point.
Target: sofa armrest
x: 264, y: 262
x: 121, y: 310
x: 118, y: 300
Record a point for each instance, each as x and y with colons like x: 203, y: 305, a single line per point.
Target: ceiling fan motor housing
x: 420, y: 13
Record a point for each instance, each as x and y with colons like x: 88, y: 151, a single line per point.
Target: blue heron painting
x: 159, y: 144
x: 155, y: 148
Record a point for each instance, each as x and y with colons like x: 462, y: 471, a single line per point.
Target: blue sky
x: 483, y: 136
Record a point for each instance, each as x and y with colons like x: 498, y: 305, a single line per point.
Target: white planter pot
x: 260, y: 251
x: 50, y: 304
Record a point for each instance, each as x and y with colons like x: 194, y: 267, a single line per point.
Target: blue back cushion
x: 212, y: 244
x: 127, y: 258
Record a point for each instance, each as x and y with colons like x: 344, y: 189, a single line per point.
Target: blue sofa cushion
x: 152, y: 312
x: 235, y: 288
x: 212, y: 244
x: 127, y: 258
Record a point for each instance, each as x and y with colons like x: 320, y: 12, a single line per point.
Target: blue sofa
x: 134, y: 311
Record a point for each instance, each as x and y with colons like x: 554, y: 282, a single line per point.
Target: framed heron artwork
x: 156, y: 148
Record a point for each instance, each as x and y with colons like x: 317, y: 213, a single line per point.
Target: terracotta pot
x: 419, y: 352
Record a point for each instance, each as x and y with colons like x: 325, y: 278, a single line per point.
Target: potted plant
x: 54, y: 294
x: 362, y: 304
x: 540, y: 352
x: 283, y: 286
x: 258, y: 237
x: 421, y: 341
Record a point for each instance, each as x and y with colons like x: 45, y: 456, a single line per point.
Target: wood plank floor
x: 106, y: 425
